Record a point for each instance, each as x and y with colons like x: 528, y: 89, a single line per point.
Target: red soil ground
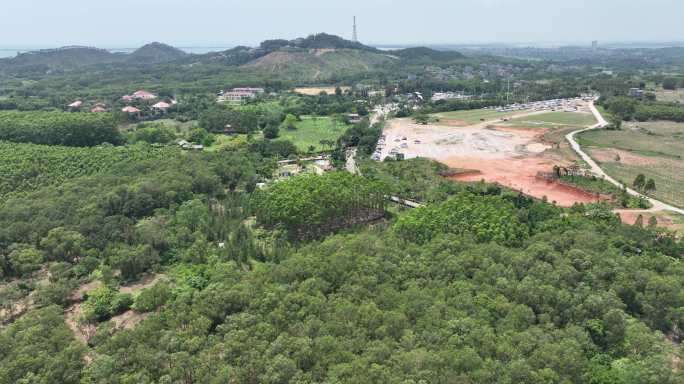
x: 664, y: 221
x: 521, y: 174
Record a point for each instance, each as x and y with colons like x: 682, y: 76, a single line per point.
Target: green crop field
x: 553, y: 120
x: 311, y: 130
x: 656, y: 150
x: 474, y: 116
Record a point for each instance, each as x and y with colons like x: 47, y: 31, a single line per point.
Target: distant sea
x: 11, y: 52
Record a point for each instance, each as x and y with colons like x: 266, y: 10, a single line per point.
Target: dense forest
x: 125, y: 258
x: 483, y: 285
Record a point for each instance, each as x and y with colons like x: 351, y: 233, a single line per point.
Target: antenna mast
x: 355, y: 36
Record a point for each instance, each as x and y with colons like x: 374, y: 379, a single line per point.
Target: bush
x: 25, y: 260
x: 105, y: 302
x: 152, y: 298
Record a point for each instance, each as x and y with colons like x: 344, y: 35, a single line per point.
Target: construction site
x: 505, y: 146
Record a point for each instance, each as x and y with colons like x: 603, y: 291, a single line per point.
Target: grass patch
x: 553, y: 120
x: 660, y: 143
x: 657, y: 139
x: 669, y: 179
x: 670, y: 96
x: 311, y: 130
x: 600, y: 186
x: 474, y: 116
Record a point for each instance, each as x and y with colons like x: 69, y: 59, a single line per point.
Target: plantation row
x: 28, y: 167
x: 59, y: 128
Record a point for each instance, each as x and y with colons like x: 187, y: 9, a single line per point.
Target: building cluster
x: 78, y: 105
x: 636, y: 93
x: 317, y: 165
x: 438, y: 96
x: 239, y: 95
x: 145, y: 96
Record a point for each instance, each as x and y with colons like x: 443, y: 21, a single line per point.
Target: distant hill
x: 316, y: 57
x: 76, y: 57
x: 424, y: 53
x: 155, y: 53
x: 64, y: 58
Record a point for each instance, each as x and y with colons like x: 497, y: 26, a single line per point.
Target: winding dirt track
x: 596, y: 169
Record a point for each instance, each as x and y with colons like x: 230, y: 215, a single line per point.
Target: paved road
x: 351, y: 166
x: 596, y: 169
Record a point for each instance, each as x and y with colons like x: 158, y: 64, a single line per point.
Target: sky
x: 131, y: 23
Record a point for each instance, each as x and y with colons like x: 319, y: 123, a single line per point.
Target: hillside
x: 426, y: 54
x: 155, y: 53
x: 76, y: 57
x: 321, y: 63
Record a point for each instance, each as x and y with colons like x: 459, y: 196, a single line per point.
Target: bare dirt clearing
x: 315, y: 91
x: 666, y: 220
x: 510, y: 156
x: 84, y: 331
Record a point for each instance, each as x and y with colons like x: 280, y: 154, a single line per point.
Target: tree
x: 650, y: 186
x: 421, y: 118
x: 615, y: 123
x: 25, y: 260
x: 271, y: 131
x: 639, y: 221
x: 670, y: 83
x: 639, y: 182
x: 652, y: 222
x: 63, y: 245
x: 290, y: 122
x: 132, y: 261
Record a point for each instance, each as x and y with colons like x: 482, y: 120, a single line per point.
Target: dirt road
x: 596, y: 169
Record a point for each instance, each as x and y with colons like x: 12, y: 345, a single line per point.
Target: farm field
x: 670, y: 96
x: 311, y: 130
x: 654, y: 149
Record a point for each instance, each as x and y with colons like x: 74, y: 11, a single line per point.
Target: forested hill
x: 424, y: 53
x: 316, y: 57
x: 155, y: 53
x: 65, y: 58
x: 76, y: 57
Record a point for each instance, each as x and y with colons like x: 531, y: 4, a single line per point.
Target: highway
x: 657, y: 205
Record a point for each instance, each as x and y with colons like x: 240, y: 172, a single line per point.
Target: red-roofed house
x: 161, y: 106
x: 98, y: 109
x: 144, y: 95
x: 75, y: 105
x: 127, y: 98
x: 130, y: 110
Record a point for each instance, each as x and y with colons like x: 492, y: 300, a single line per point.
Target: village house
x: 139, y: 95
x: 239, y: 95
x: 354, y: 118
x: 98, y: 109
x: 76, y: 105
x: 131, y: 110
x: 161, y: 106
